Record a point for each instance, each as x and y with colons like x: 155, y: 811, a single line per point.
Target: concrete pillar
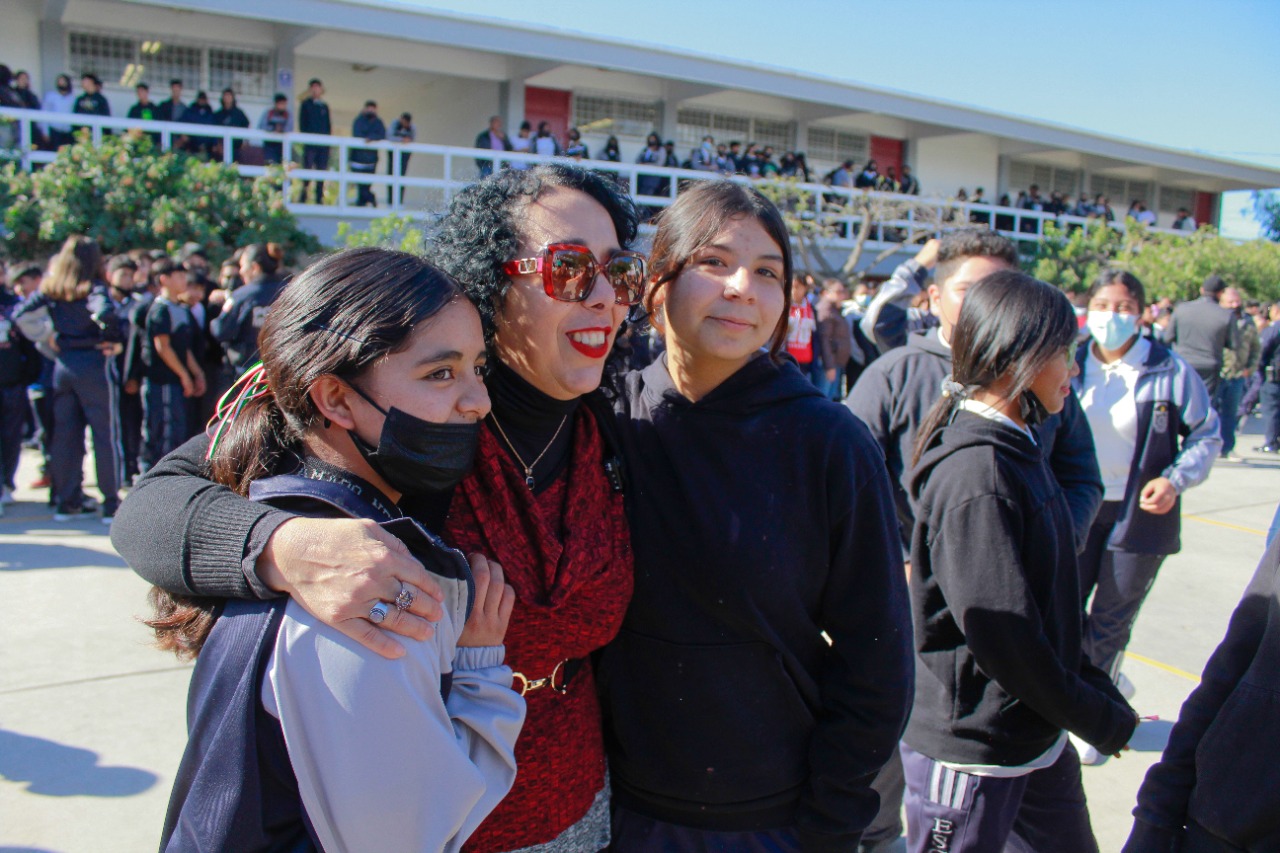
x: 511, y: 104
x: 668, y: 109
x: 53, y: 48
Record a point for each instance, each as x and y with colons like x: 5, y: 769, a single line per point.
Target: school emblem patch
x: 1160, y: 419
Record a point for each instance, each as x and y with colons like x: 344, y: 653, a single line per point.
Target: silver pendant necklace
x: 528, y: 469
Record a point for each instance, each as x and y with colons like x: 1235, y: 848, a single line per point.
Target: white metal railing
x: 441, y: 170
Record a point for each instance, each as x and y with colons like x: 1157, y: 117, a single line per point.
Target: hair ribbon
x: 251, y: 386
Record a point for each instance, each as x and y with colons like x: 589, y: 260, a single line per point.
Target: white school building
x: 452, y: 72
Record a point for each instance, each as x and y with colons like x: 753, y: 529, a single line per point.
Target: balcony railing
x: 441, y: 170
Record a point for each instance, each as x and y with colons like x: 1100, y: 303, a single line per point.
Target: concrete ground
x: 92, y: 721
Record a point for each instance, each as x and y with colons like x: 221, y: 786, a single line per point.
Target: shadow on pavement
x: 51, y: 555
x: 1151, y: 736
x: 56, y: 770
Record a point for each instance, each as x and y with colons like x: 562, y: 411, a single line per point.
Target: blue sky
x: 1196, y: 75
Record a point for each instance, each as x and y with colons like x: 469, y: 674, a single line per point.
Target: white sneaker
x: 1088, y: 754
x: 6, y: 497
x: 1125, y: 686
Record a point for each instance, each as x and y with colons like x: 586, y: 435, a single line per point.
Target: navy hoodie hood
x: 967, y: 430
x: 759, y: 385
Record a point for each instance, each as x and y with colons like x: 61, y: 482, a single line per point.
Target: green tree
x: 1266, y: 209
x: 393, y: 231
x: 1172, y: 265
x: 126, y: 195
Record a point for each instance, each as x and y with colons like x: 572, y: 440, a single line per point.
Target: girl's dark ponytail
x: 1009, y: 327
x: 251, y: 446
x: 938, y: 417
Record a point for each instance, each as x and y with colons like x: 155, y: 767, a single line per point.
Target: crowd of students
x: 620, y: 661
x: 135, y: 347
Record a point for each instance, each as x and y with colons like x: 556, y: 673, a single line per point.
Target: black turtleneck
x: 530, y: 418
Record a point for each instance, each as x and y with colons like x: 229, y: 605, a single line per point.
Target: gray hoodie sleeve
x: 382, y: 761
x: 907, y: 281
x: 1203, y: 441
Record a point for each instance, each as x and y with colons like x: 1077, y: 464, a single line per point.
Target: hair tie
x: 951, y: 388
x: 248, y: 388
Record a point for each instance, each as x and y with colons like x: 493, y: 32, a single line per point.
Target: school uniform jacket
x: 1177, y: 438
x: 279, y: 702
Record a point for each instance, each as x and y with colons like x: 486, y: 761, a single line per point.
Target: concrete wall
x: 943, y: 164
x: 446, y: 110
x: 20, y: 40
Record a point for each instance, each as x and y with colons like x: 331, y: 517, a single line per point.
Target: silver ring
x: 404, y: 598
x: 379, y: 612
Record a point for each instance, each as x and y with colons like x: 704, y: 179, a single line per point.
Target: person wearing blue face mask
x: 1156, y: 435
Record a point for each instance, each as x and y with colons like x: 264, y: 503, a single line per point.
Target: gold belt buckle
x: 528, y: 685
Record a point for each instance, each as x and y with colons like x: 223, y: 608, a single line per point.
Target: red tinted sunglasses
x: 569, y: 273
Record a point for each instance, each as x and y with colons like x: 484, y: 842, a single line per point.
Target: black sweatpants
x: 167, y: 415
x: 86, y: 391
x: 1043, y: 811
x: 131, y: 433
x: 1119, y: 582
x: 13, y: 421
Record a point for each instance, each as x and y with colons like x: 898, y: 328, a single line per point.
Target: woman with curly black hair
x: 543, y: 255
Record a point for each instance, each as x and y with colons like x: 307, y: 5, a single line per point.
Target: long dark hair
x: 693, y: 221
x: 481, y: 231
x: 337, y: 318
x: 1010, y: 325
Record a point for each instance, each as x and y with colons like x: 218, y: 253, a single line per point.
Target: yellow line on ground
x: 1226, y: 524
x: 1181, y: 673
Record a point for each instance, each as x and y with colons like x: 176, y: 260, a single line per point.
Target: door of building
x: 1206, y: 208
x: 549, y: 105
x: 887, y: 152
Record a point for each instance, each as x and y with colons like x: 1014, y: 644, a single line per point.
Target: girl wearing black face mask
x: 369, y: 390
x: 995, y: 593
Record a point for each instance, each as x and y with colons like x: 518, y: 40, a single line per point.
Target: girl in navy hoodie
x: 995, y: 595
x: 762, y: 519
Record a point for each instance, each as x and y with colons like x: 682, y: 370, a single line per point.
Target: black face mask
x: 1032, y: 410
x: 416, y: 456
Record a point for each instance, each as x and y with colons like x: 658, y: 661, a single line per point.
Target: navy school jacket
x: 235, y: 788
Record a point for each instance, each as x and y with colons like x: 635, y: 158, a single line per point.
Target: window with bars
x: 1121, y: 192
x: 124, y: 61
x: 828, y: 147
x: 780, y: 134
x: 692, y: 125
x: 1172, y: 198
x: 165, y: 62
x: 110, y: 57
x: 616, y: 116
x: 1050, y: 179
x: 245, y: 72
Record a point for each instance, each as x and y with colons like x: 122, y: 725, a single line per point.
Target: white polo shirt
x: 1107, y: 394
